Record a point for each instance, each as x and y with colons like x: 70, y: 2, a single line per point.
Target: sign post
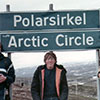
x: 9, y: 55
x: 98, y: 69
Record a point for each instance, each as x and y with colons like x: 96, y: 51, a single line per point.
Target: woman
x: 49, y: 80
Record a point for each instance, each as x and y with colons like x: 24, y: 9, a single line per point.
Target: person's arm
x: 35, y: 86
x: 63, y: 87
x: 10, y: 75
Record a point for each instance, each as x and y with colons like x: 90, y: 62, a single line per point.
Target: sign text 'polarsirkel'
x: 49, y: 20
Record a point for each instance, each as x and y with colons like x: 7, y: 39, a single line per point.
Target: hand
x: 98, y: 75
x: 2, y: 78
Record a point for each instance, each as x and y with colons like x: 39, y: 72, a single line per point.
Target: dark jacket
x: 7, y: 69
x: 37, y: 86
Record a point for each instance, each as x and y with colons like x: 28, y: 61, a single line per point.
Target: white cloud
x: 30, y: 5
x: 36, y: 58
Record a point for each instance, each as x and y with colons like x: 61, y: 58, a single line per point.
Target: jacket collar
x: 1, y: 56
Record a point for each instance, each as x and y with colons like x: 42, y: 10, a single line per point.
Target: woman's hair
x: 50, y: 53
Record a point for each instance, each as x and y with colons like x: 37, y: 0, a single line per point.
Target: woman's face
x: 50, y: 61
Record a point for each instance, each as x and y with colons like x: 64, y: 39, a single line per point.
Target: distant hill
x: 81, y: 72
x: 25, y: 72
x: 74, y: 70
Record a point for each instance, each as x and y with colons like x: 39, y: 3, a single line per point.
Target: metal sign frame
x: 97, y: 53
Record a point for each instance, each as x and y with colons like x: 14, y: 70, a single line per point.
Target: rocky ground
x: 84, y: 93
x: 78, y: 97
x: 21, y: 92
